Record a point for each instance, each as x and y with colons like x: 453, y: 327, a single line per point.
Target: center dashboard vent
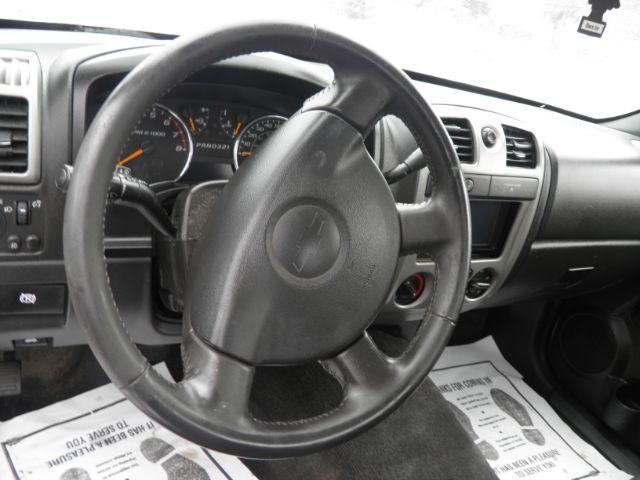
x: 459, y: 129
x: 521, y: 148
x: 14, y: 120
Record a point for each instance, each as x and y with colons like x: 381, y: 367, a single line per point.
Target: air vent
x: 14, y: 71
x: 521, y: 148
x: 14, y: 113
x: 459, y: 129
x: 20, y: 99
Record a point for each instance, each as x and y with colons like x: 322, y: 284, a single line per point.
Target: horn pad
x: 300, y: 250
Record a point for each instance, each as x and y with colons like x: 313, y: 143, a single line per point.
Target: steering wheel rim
x: 210, y: 406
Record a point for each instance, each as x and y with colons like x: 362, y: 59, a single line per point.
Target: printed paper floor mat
x: 516, y: 430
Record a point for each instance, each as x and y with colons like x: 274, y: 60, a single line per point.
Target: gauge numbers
x: 160, y: 148
x: 254, y: 135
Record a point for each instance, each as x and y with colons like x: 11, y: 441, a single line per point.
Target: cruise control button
x: 14, y: 242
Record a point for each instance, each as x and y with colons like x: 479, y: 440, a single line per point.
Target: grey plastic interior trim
x: 124, y: 243
x: 31, y: 90
x: 488, y: 161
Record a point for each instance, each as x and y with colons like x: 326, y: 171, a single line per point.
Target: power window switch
x: 22, y: 213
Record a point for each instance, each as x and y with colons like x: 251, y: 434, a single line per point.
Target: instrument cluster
x: 173, y: 134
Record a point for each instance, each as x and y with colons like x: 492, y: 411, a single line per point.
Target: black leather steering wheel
x: 297, y: 257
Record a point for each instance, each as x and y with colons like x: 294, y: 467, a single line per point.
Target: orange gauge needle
x: 134, y: 155
x: 245, y: 154
x: 237, y: 129
x: 192, y: 125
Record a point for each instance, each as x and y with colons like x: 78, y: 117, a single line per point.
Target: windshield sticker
x: 594, y: 25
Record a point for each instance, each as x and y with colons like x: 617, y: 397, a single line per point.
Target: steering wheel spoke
x: 216, y: 382
x: 361, y: 367
x: 425, y: 227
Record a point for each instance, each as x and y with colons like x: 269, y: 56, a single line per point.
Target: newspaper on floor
x: 99, y: 435
x: 516, y: 430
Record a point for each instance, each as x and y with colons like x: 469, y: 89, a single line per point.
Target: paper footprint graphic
x: 489, y: 452
x: 75, y: 474
x: 176, y: 466
x: 518, y: 412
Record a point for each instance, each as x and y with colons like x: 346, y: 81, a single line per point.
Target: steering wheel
x: 297, y: 257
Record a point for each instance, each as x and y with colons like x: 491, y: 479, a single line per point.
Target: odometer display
x: 253, y: 135
x: 160, y: 148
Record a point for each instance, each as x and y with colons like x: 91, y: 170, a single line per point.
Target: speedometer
x: 254, y: 135
x: 160, y: 148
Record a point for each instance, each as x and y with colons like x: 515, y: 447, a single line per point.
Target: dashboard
x: 552, y: 197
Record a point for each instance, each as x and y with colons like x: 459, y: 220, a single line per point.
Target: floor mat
x: 419, y: 441
x: 516, y: 430
x: 99, y: 435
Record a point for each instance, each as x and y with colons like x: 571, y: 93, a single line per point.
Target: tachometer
x: 160, y: 148
x: 253, y: 135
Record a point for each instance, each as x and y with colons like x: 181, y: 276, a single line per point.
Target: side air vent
x: 20, y: 112
x: 459, y: 129
x: 14, y: 121
x: 521, y: 149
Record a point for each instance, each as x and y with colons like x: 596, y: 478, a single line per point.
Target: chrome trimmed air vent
x: 20, y: 98
x: 461, y: 134
x: 521, y: 147
x: 14, y: 118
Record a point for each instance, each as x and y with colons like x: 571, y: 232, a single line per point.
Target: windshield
x: 531, y: 49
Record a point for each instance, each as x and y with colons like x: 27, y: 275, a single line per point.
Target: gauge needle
x: 245, y: 154
x: 134, y: 155
x: 192, y: 124
x: 237, y: 129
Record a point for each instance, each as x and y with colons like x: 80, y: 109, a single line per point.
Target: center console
x: 503, y: 162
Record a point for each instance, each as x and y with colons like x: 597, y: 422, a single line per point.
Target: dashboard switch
x: 14, y: 242
x: 22, y: 213
x: 33, y: 242
x: 32, y: 299
x: 479, y: 284
x: 514, y: 187
x: 468, y: 182
x: 477, y: 185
